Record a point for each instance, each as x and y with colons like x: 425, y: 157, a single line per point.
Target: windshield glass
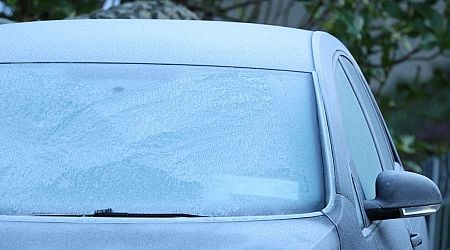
x: 213, y: 141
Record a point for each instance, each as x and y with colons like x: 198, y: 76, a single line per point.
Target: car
x: 196, y: 134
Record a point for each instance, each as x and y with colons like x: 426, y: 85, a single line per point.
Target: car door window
x: 361, y: 145
x: 372, y: 113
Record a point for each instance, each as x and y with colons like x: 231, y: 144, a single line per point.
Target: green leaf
x: 394, y: 10
x: 406, y: 144
x: 434, y: 20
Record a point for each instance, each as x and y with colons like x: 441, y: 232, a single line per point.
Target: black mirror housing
x: 403, y: 194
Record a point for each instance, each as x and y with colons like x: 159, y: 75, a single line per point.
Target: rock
x: 155, y: 9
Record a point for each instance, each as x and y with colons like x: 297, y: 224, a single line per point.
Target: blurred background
x: 403, y: 47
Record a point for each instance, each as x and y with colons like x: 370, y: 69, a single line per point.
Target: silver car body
x: 210, y: 44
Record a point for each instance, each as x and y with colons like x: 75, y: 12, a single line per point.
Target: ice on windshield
x: 157, y: 139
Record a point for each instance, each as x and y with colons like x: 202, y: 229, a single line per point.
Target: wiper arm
x: 109, y: 213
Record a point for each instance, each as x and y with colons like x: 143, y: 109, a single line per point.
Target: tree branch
x: 398, y: 60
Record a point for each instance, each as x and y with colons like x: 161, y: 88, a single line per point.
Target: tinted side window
x: 362, y: 149
x: 372, y: 113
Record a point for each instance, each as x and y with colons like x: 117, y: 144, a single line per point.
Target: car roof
x: 158, y: 41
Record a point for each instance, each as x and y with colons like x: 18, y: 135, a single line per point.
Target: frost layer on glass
x: 213, y: 141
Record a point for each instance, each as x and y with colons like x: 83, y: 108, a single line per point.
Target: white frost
x: 157, y: 139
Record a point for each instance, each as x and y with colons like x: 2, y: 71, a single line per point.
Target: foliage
x: 29, y: 10
x: 382, y: 34
x: 418, y: 114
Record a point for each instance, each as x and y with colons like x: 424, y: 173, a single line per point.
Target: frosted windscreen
x: 211, y: 141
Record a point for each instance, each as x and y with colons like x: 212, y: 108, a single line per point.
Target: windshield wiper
x: 109, y: 213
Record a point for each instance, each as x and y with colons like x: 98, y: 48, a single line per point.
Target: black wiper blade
x: 109, y: 213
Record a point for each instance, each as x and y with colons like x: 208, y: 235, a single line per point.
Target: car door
x: 391, y: 161
x: 369, y: 153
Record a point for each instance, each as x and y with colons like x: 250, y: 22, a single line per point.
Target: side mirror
x: 402, y: 194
